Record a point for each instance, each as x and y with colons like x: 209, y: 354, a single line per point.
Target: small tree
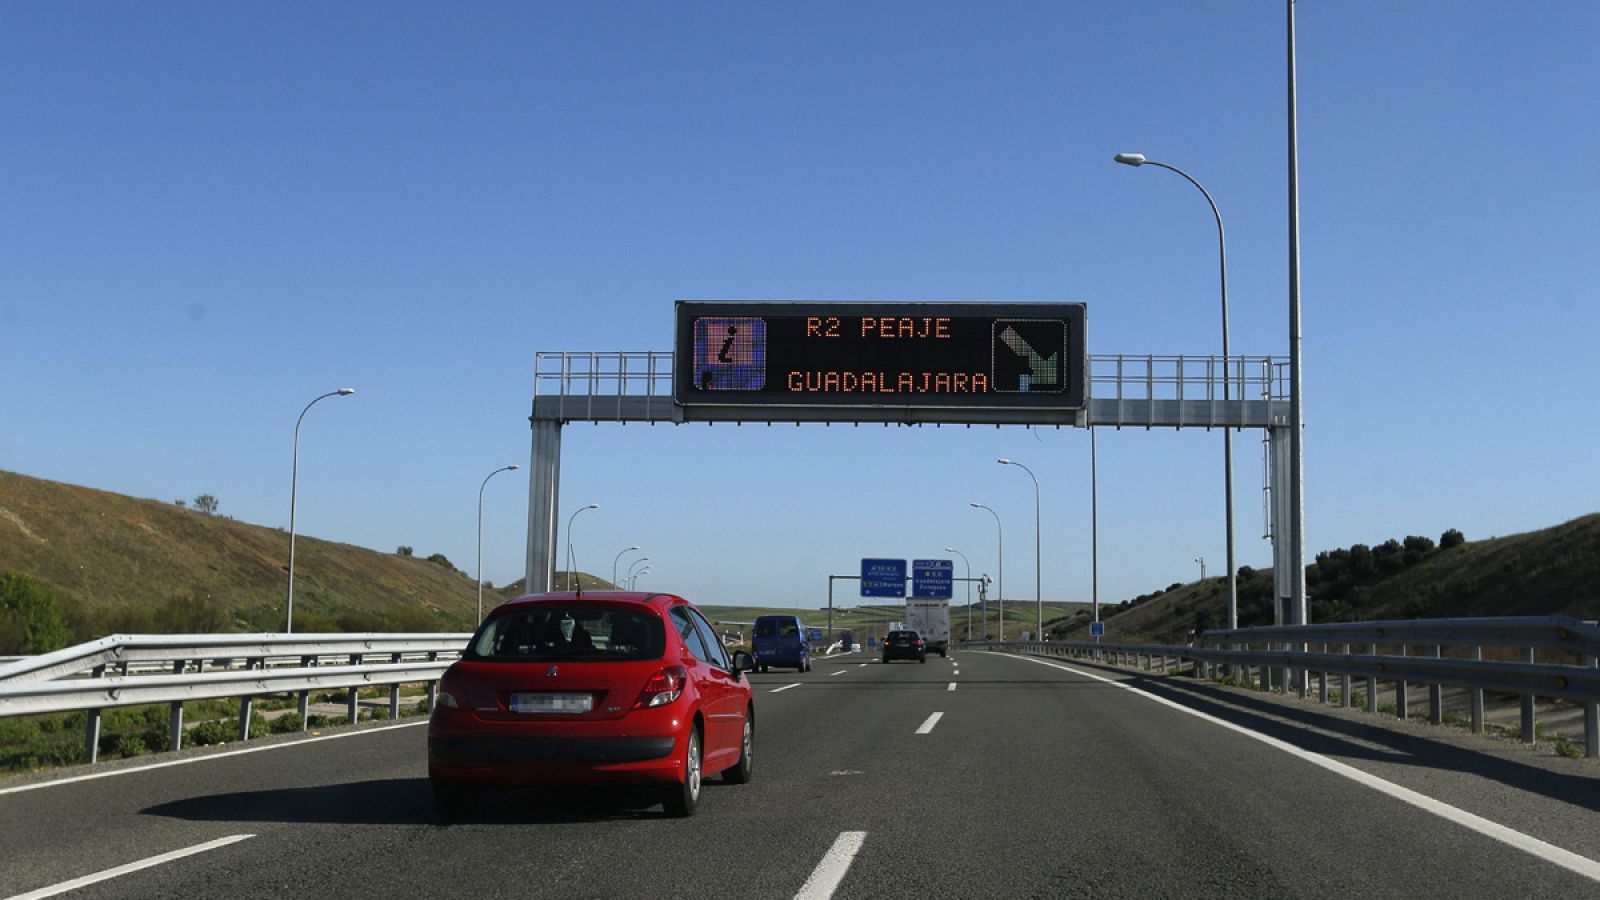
x: 1451, y: 538
x: 30, y: 617
x: 402, y: 550
x: 207, y: 504
x: 180, y: 503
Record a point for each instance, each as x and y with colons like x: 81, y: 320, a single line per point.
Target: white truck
x: 930, y: 619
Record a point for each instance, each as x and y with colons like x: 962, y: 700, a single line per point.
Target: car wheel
x: 923, y: 660
x: 806, y: 667
x: 740, y: 772
x: 761, y: 669
x: 683, y: 798
x: 452, y: 801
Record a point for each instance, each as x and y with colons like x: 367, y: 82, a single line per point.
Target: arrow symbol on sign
x: 1045, y: 370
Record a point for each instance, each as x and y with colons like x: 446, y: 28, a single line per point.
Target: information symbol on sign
x: 730, y: 353
x: 1030, y: 356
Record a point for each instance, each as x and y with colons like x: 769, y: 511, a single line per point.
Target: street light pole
x: 1000, y: 545
x: 632, y: 568
x: 485, y: 484
x: 294, y: 491
x: 1202, y: 561
x: 572, y: 559
x: 969, y: 586
x: 1038, y: 581
x: 617, y: 560
x: 1136, y: 160
x: 634, y: 580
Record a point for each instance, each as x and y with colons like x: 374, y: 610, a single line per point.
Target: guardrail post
x: 303, y: 702
x: 1528, y: 730
x: 247, y: 703
x: 1345, y: 699
x: 1372, y: 683
x: 1266, y: 677
x: 433, y: 686
x: 352, y: 707
x: 175, y: 719
x: 1591, y: 719
x: 1477, y: 697
x: 1436, y: 694
x: 1402, y: 695
x: 1322, y: 680
x: 91, y: 732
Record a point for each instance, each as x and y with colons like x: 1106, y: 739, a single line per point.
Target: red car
x: 611, y: 687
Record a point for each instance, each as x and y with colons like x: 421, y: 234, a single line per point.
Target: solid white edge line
x: 784, y: 688
x: 1566, y: 859
x: 951, y: 687
x: 831, y: 870
x: 210, y: 756
x: 109, y: 874
x: 928, y: 724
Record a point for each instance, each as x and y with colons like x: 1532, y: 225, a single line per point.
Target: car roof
x: 655, y: 600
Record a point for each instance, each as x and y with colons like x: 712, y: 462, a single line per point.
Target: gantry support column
x: 544, y: 486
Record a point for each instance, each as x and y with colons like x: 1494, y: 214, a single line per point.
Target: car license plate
x: 552, y: 703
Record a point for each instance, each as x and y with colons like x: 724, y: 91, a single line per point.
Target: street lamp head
x: 513, y: 467
x: 1131, y: 159
x: 976, y: 503
x: 1003, y: 461
x: 949, y: 549
x: 592, y: 506
x: 345, y: 392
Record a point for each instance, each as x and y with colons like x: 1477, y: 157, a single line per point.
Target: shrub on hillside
x: 1451, y: 538
x: 31, y: 620
x: 288, y: 723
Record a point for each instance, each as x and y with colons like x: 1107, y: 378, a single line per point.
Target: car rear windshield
x: 907, y: 635
x: 781, y: 627
x: 569, y: 632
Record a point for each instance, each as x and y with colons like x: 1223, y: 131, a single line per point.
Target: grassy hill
x: 1554, y: 571
x: 122, y: 564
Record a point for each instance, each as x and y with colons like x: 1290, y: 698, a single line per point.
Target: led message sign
x: 948, y: 355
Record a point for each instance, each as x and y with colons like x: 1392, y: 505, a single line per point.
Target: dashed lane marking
x: 784, y: 688
x: 825, y: 878
x: 928, y: 724
x: 951, y: 687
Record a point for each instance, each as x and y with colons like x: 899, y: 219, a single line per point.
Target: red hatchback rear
x: 590, y: 688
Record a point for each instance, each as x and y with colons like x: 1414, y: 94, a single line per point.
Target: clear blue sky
x: 211, y: 213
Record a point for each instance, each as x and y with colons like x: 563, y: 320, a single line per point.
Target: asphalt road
x: 1034, y: 779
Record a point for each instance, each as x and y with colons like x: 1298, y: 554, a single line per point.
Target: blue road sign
x: 933, y: 578
x: 1097, y: 629
x: 883, y: 578
x: 815, y: 635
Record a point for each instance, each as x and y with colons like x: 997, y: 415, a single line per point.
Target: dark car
x: 602, y: 687
x: 904, y: 645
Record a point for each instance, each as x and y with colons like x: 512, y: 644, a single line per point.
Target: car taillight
x: 919, y: 643
x: 665, y: 686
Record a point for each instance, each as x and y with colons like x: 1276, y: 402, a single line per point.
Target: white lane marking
x: 784, y: 688
x: 1566, y: 859
x: 840, y: 672
x: 210, y: 756
x: 951, y: 687
x: 863, y: 665
x: 931, y: 721
x: 149, y: 862
x: 835, y: 863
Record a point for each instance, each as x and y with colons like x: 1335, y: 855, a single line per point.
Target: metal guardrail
x: 1376, y: 651
x: 132, y: 670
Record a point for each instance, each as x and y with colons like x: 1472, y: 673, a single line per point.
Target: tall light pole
x: 572, y: 559
x: 485, y: 484
x: 633, y: 580
x: 1094, y: 526
x: 632, y: 566
x: 294, y: 490
x: 1136, y: 160
x: 1038, y: 581
x: 1202, y: 561
x: 1000, y: 551
x: 969, y: 586
x: 617, y: 560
